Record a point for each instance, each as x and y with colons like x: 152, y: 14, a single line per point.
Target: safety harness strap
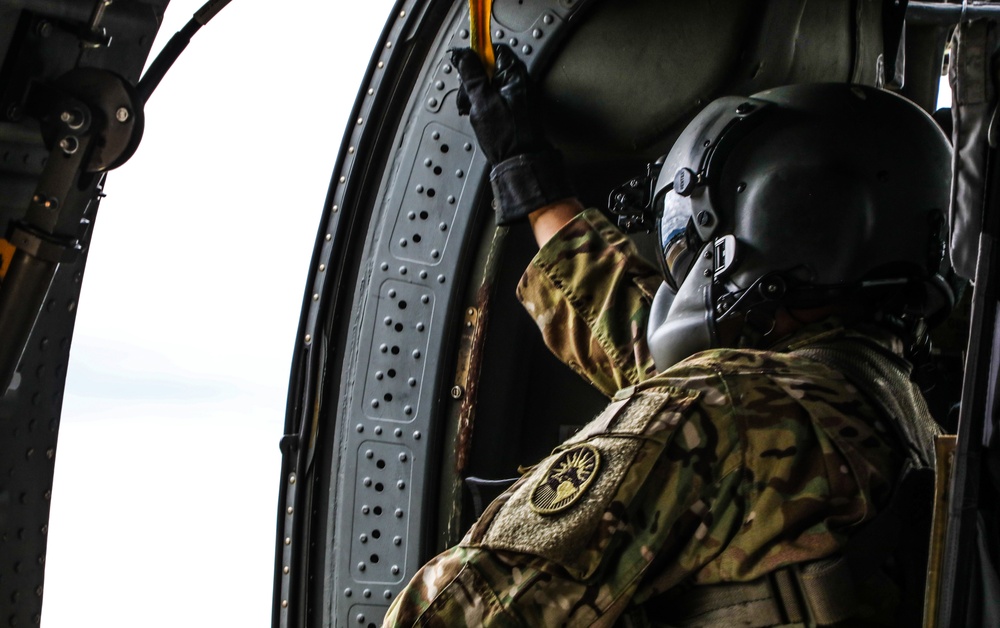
x: 816, y: 593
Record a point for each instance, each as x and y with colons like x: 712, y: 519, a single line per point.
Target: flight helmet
x: 799, y: 196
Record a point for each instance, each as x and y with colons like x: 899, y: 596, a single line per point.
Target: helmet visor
x: 678, y: 243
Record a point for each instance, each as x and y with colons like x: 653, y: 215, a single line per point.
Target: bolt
x: 69, y: 144
x: 744, y: 108
x: 456, y: 392
x: 704, y: 218
x: 684, y: 181
x: 73, y: 118
x: 122, y: 114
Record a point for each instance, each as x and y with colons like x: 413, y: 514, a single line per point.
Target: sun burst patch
x: 566, y: 480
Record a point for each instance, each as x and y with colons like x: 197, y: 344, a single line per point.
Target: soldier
x: 764, y: 439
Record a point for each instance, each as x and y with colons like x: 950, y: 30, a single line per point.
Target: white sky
x: 167, y: 468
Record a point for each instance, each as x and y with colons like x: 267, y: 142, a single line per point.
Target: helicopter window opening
x: 381, y: 465
x: 394, y: 350
x: 444, y: 148
x: 377, y: 510
x: 944, y: 93
x: 399, y: 327
x: 376, y: 533
x: 431, y: 193
x: 424, y: 215
x: 416, y: 238
x: 373, y: 559
x: 379, y: 487
x: 402, y: 305
x: 437, y: 170
x: 388, y: 397
x: 944, y: 87
x: 391, y: 373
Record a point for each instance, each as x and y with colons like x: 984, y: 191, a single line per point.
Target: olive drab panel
x: 973, y: 104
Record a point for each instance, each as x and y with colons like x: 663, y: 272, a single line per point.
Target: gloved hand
x: 527, y: 172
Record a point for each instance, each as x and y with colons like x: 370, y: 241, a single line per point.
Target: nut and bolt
x: 73, y: 118
x: 69, y: 144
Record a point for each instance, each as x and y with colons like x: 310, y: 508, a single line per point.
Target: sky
x: 167, y: 465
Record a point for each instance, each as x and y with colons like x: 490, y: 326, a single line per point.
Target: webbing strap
x: 818, y: 593
x: 480, y: 16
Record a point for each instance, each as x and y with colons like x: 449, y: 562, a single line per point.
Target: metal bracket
x: 465, y: 344
x: 632, y: 201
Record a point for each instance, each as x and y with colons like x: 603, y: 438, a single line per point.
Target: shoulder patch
x: 566, y: 480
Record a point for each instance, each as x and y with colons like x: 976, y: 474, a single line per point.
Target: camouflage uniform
x: 730, y: 464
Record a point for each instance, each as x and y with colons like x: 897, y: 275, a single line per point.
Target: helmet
x: 800, y: 195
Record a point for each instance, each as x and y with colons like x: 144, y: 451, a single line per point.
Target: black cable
x: 159, y: 67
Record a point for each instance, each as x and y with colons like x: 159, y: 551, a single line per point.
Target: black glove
x: 527, y: 172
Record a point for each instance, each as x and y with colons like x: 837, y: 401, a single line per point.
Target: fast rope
x: 480, y: 14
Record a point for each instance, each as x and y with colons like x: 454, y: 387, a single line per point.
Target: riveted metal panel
x: 433, y: 194
x: 29, y: 426
x: 405, y: 320
x: 378, y: 555
x: 398, y: 362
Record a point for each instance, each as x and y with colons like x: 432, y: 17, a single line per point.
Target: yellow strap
x: 480, y: 13
x: 6, y: 254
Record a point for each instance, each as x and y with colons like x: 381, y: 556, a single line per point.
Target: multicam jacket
x: 731, y: 464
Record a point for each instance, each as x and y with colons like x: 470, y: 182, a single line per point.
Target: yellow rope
x: 480, y: 12
x: 6, y: 254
